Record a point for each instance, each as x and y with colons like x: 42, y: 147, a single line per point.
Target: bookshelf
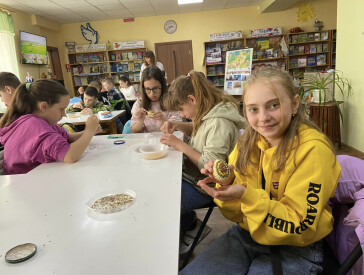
x: 90, y: 66
x: 127, y: 62
x: 215, y: 57
x: 333, y: 49
x: 267, y: 50
x: 86, y: 67
x: 309, y: 51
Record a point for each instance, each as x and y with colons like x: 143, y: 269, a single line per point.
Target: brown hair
x: 153, y: 72
x: 97, y: 84
x: 8, y: 79
x: 108, y: 80
x: 207, y: 96
x: 247, y: 142
x: 150, y: 55
x: 123, y: 78
x: 26, y: 99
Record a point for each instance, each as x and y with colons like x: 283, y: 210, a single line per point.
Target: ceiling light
x: 182, y: 2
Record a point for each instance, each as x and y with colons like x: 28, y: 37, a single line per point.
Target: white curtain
x: 8, y: 61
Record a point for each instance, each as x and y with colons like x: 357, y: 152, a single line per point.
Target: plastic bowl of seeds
x: 154, y: 151
x: 111, y: 201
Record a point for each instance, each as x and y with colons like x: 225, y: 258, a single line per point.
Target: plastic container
x: 73, y: 115
x: 153, y: 151
x: 96, y: 205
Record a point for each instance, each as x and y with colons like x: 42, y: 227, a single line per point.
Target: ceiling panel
x: 96, y: 9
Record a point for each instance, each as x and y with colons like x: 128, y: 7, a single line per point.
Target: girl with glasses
x: 148, y: 112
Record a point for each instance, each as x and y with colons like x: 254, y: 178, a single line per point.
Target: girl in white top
x: 149, y: 59
x: 127, y: 88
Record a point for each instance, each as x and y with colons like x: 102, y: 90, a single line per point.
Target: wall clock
x: 170, y: 26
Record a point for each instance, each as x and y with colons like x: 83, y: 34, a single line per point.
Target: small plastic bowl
x: 153, y: 151
x: 73, y: 115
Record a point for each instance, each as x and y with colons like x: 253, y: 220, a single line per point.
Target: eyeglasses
x: 155, y: 90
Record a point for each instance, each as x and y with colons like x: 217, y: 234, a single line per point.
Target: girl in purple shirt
x: 29, y: 130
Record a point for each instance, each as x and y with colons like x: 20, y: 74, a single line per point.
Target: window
x: 8, y: 61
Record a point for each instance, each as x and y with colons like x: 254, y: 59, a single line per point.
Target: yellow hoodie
x: 298, y: 213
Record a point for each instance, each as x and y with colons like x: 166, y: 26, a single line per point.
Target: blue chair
x: 127, y: 129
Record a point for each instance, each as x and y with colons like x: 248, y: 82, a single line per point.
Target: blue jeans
x: 191, y: 199
x: 236, y: 252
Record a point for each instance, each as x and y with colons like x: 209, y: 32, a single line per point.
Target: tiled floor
x: 220, y: 224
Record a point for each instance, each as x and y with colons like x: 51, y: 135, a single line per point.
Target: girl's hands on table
x: 92, y: 124
x: 77, y: 105
x: 140, y: 114
x: 171, y: 140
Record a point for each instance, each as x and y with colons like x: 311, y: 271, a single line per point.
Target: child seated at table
x: 29, y: 130
x: 8, y: 84
x: 127, y: 88
x: 117, y: 99
x: 90, y: 103
x: 148, y: 111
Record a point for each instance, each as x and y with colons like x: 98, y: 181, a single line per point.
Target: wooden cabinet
x: 86, y: 67
x: 309, y: 51
x: 267, y: 51
x: 215, y: 58
x: 90, y: 66
x: 127, y: 62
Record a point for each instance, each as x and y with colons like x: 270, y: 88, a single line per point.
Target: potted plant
x: 321, y: 87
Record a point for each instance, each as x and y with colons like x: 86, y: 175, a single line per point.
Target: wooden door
x: 55, y: 63
x: 176, y: 58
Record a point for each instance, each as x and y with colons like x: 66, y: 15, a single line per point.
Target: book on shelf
x: 321, y: 59
x: 301, y: 49
x: 307, y: 48
x: 136, y: 86
x: 220, y: 69
x: 79, y: 58
x: 131, y: 77
x: 112, y: 57
x: 84, y: 80
x: 294, y: 38
x: 131, y: 66
x: 85, y: 58
x: 80, y: 69
x: 77, y: 81
x: 311, y: 60
x: 302, y: 37
x: 211, y: 70
x: 124, y: 56
x: 324, y: 35
x: 137, y: 66
x: 130, y: 56
x: 87, y: 69
x: 139, y: 55
x: 312, y: 48
x: 319, y: 48
x: 136, y: 77
x: 94, y: 69
x: 317, y: 36
x: 115, y: 78
x: 119, y: 68
x: 302, y: 61
x: 269, y: 53
x: 325, y: 47
x: 221, y: 80
x: 118, y: 57
x: 125, y: 67
x: 291, y: 49
x: 293, y: 62
x: 113, y: 68
x: 311, y: 37
x: 295, y: 49
x: 101, y: 57
x: 74, y: 70
x: 135, y: 55
x: 213, y: 53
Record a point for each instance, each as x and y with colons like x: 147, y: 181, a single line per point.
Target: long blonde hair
x: 207, y: 96
x: 247, y: 143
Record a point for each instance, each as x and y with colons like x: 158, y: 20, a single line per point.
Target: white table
x: 109, y: 121
x: 47, y: 207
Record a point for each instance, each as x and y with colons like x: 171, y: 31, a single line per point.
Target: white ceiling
x: 68, y: 11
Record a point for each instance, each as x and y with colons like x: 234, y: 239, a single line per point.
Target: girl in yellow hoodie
x: 283, y: 172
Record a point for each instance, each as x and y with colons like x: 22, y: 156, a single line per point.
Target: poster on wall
x: 237, y: 70
x: 213, y: 53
